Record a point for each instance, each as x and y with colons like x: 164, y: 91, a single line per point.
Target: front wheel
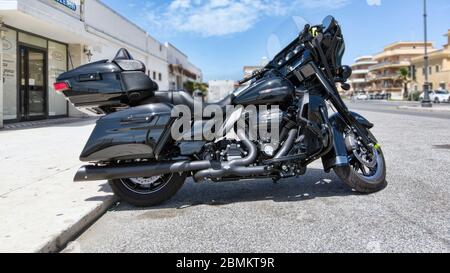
x: 148, y: 191
x: 367, y: 170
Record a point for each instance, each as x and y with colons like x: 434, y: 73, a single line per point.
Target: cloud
x: 223, y: 17
x: 374, y: 2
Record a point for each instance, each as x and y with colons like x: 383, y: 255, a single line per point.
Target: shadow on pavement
x: 103, y: 188
x: 315, y: 184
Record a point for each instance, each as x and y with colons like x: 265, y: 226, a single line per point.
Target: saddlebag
x: 135, y: 133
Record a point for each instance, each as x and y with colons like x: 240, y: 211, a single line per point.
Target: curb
x: 419, y: 109
x: 60, y: 241
x: 43, y: 123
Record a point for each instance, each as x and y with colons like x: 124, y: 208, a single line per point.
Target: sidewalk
x: 41, y: 209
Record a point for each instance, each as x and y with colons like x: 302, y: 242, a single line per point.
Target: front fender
x: 338, y: 122
x: 338, y: 155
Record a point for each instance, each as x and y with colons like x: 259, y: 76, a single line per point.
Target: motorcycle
x: 132, y: 145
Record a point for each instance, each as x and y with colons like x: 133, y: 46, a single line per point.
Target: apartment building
x: 359, y: 79
x: 384, y: 76
x: 439, y: 69
x: 181, y: 70
x: 43, y: 38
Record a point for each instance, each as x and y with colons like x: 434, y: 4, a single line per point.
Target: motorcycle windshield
x: 284, y: 34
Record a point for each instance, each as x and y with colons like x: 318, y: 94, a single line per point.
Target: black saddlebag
x: 135, y: 133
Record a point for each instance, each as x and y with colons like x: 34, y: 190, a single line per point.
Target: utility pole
x: 426, y: 96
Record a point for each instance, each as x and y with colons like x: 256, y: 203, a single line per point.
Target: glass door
x: 33, y: 86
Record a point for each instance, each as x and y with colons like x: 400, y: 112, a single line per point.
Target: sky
x: 222, y: 36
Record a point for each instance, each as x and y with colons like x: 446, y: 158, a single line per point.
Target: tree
x: 191, y: 87
x: 403, y: 75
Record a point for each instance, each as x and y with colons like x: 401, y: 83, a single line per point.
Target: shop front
x: 31, y: 64
x: 43, y: 38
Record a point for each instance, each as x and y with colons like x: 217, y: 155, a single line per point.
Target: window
x: 438, y: 68
x: 160, y: 77
x: 431, y: 70
x: 154, y: 75
x: 9, y: 74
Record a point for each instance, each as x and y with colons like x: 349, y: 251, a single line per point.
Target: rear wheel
x: 367, y: 170
x: 148, y: 191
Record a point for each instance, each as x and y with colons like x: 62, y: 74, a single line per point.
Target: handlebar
x: 255, y: 74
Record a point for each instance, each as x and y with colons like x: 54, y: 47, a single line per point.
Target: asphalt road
x: 314, y: 213
x: 392, y: 107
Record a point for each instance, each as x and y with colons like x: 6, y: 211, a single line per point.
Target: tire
x: 363, y: 184
x: 145, y: 197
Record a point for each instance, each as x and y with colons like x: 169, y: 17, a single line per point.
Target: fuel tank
x: 271, y: 90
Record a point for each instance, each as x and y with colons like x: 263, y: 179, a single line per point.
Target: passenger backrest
x: 130, y: 65
x: 126, y: 62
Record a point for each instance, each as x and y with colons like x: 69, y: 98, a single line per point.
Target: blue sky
x: 221, y: 36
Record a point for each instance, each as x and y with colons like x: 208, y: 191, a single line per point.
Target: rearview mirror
x: 345, y: 72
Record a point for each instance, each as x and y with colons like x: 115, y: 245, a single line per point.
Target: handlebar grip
x: 241, y: 82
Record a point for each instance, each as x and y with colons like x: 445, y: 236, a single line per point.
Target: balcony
x: 387, y: 88
x: 360, y: 71
x: 381, y: 77
x: 357, y: 81
x: 389, y: 65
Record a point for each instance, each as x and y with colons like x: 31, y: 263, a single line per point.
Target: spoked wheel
x: 367, y: 170
x: 148, y: 191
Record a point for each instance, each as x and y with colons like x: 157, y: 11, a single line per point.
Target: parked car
x: 438, y: 96
x: 362, y: 96
x: 381, y: 96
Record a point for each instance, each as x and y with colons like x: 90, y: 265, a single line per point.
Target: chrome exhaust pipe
x: 286, y: 148
x: 232, y: 167
x: 239, y: 167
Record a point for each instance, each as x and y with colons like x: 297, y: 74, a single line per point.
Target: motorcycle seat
x: 180, y: 97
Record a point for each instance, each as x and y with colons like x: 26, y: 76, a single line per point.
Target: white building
x: 181, y: 70
x: 360, y: 76
x: 43, y: 38
x: 219, y: 89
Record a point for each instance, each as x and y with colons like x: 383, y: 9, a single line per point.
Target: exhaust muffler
x: 94, y: 173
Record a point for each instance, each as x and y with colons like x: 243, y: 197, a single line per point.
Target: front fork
x: 343, y: 110
x: 338, y: 156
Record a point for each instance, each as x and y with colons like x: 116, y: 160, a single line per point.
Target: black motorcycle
x: 132, y: 145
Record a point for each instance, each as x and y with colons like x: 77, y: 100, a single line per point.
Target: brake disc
x: 370, y: 161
